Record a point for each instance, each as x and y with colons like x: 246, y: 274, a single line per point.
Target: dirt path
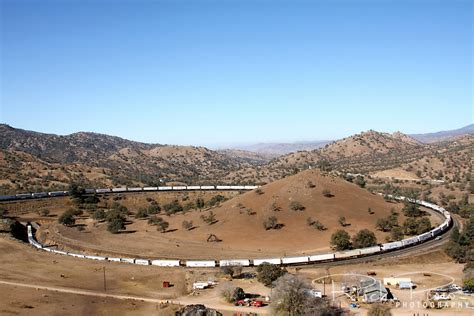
x: 181, y: 301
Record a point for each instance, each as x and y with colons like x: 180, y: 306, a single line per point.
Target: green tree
x: 115, y: 225
x: 396, y: 234
x: 410, y: 226
x: 142, y: 213
x: 267, y: 273
x: 99, y: 215
x: 384, y: 224
x: 360, y: 181
x: 67, y: 219
x: 364, y: 238
x: 341, y: 240
x: 411, y: 209
x: 200, y: 203
x: 424, y: 225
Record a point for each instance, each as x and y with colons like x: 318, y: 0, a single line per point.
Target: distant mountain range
x: 279, y: 149
x: 443, y: 135
x: 33, y: 161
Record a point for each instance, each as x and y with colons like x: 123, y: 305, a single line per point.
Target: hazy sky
x: 221, y: 72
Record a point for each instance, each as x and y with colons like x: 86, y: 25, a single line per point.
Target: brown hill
x: 359, y: 153
x: 240, y: 222
x: 36, y: 161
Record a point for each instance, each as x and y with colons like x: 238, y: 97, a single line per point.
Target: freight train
x: 284, y: 261
x: 37, y: 195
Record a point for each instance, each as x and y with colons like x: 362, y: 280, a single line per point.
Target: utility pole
x: 105, y: 284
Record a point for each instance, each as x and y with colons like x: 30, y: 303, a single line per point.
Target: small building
x: 405, y: 285
x: 394, y: 281
x: 373, y: 291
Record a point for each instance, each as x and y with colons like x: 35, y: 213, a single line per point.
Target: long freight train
x: 316, y: 258
x: 37, y: 195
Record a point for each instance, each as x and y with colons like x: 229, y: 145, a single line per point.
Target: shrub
x: 327, y: 193
x: 379, y: 309
x: 44, y: 212
x: 99, y: 215
x: 187, y: 225
x: 296, y: 206
x: 271, y: 223
x: 142, y: 213
x: 162, y: 226
x: 209, y: 219
x: 341, y: 240
x: 259, y: 191
x: 173, y: 207
x: 342, y: 221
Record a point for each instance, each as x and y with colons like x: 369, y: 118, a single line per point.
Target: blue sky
x: 225, y: 72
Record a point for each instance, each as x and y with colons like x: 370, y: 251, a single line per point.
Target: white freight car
x: 234, y: 262
x: 134, y: 189
x: 346, y: 254
x: 143, y: 262
x: 127, y: 260
x: 193, y: 187
x: 200, y: 263
x: 165, y: 263
x: 291, y: 260
x: 116, y: 190
x: 165, y: 188
x: 207, y: 187
x: 369, y: 250
x: 179, y: 188
x: 150, y: 189
x: 392, y: 245
x: 321, y: 257
x: 111, y: 259
x: 99, y: 258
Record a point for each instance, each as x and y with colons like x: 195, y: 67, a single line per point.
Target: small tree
x: 142, y: 213
x: 200, y: 203
x: 162, y: 226
x: 384, y: 224
x: 424, y: 225
x: 67, y: 219
x: 115, y: 225
x: 341, y: 240
x: 271, y: 223
x: 210, y: 218
x: 187, y: 225
x: 379, y: 309
x: 396, y: 234
x: 44, y: 212
x: 327, y: 193
x: 360, y: 181
x: 364, y: 238
x: 99, y: 215
x: 342, y: 221
x: 267, y: 273
x: 296, y: 206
